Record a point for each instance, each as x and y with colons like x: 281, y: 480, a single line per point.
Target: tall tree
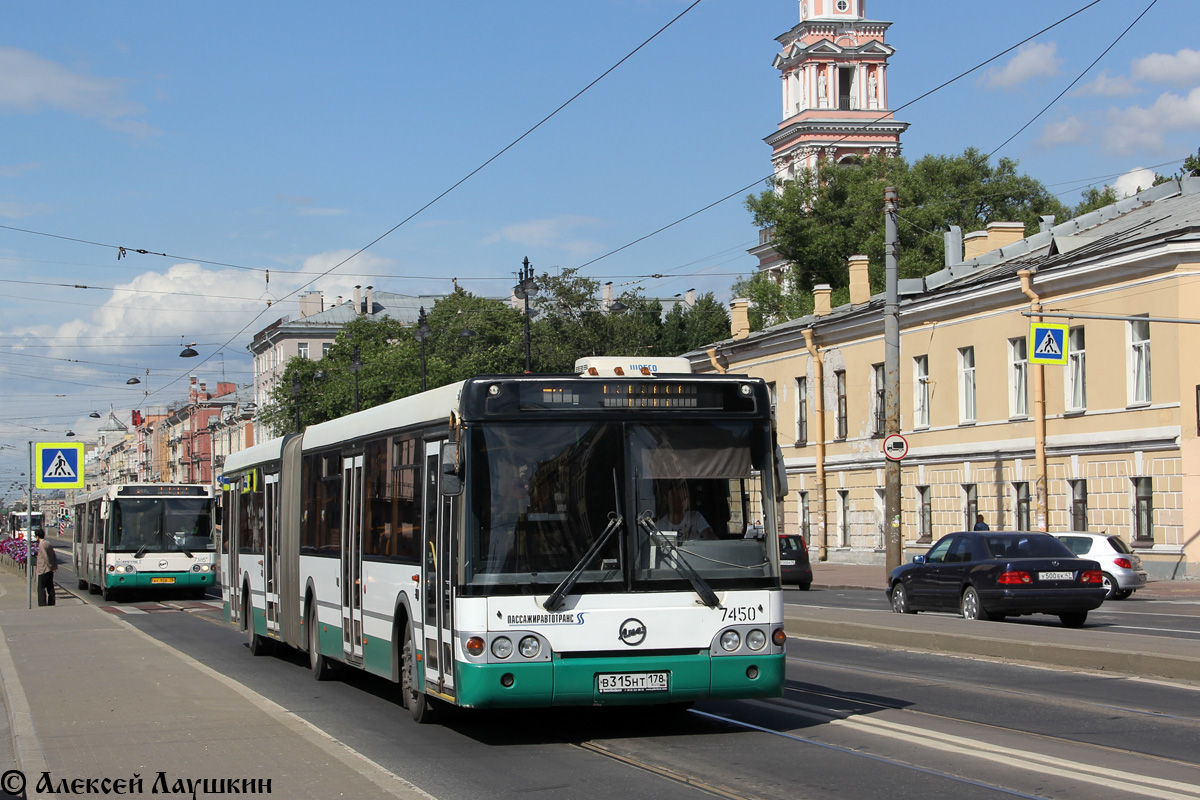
x: 836, y: 211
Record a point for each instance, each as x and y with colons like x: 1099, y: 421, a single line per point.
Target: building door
x: 437, y: 630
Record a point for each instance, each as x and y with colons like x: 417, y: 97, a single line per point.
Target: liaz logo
x: 633, y: 632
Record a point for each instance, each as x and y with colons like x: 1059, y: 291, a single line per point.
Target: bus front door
x: 436, y: 578
x: 351, y: 578
x: 271, y: 567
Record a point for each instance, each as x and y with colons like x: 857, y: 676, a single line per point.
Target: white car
x: 1123, y: 573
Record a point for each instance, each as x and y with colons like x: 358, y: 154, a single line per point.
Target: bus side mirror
x: 451, y: 483
x: 781, y: 485
x: 104, y: 511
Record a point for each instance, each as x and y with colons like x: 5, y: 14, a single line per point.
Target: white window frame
x: 843, y: 528
x: 1076, y: 382
x: 801, y: 411
x: 1018, y: 378
x: 921, y: 391
x: 1139, y: 388
x: 967, y: 400
x: 878, y: 400
x: 302, y: 350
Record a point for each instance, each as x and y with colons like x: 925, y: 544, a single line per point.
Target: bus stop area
x: 88, y: 697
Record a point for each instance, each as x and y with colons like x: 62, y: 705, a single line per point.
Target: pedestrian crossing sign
x: 1049, y: 343
x: 59, y: 465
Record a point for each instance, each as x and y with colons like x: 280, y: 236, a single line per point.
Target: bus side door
x: 436, y: 578
x: 352, y: 589
x: 271, y: 509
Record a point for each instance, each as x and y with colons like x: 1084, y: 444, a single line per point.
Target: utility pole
x: 891, y: 375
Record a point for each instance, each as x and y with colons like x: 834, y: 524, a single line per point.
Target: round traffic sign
x: 895, y: 447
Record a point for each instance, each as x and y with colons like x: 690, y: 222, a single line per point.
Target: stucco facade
x: 1121, y: 419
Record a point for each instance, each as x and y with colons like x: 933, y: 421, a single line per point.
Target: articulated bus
x: 606, y: 538
x: 20, y: 523
x: 145, y: 536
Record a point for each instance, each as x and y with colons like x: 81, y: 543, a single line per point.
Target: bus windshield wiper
x: 555, y: 600
x: 141, y: 551
x: 677, y: 561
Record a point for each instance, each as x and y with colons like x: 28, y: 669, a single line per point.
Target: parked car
x: 794, y: 566
x: 1123, y: 573
x: 995, y: 574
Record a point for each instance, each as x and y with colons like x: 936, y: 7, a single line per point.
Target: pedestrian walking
x: 47, y: 565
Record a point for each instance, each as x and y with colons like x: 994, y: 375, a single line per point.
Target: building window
x: 1139, y: 362
x: 1018, y: 374
x: 843, y: 529
x: 1143, y: 518
x: 921, y: 392
x: 966, y: 385
x: 302, y: 350
x: 840, y: 379
x: 1076, y: 371
x: 881, y: 516
x: 325, y: 348
x: 972, y: 499
x: 1022, y: 490
x: 805, y: 521
x: 880, y: 395
x: 845, y: 88
x: 1079, y: 515
x: 924, y: 514
x: 774, y: 398
x: 801, y: 411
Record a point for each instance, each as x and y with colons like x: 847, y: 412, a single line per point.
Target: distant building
x: 313, y: 333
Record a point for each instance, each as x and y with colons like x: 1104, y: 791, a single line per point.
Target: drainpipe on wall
x: 1039, y: 406
x: 819, y: 417
x: 712, y: 358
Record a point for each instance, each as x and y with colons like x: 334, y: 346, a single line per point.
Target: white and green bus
x: 523, y: 540
x: 146, y: 537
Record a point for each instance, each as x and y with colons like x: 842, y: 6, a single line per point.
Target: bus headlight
x: 756, y: 639
x: 502, y: 647
x: 123, y: 569
x: 530, y: 646
x: 201, y: 567
x: 731, y: 640
x: 475, y: 645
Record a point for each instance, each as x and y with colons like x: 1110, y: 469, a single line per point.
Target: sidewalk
x: 827, y: 575
x: 88, y: 696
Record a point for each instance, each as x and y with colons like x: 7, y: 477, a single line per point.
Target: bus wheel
x: 93, y: 589
x: 322, y: 670
x: 83, y: 584
x: 259, y: 646
x: 423, y: 708
x: 106, y: 593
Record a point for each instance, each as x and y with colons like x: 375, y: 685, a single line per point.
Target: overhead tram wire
x: 1077, y: 79
x: 458, y: 183
x: 868, y: 124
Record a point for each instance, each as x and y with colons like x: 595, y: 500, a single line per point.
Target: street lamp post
x: 525, y: 288
x: 355, y: 366
x: 421, y: 334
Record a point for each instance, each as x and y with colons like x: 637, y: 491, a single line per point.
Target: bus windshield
x: 161, y: 525
x: 540, y: 497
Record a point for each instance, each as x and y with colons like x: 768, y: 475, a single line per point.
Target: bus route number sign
x: 895, y: 447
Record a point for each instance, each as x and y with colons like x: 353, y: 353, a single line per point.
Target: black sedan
x: 994, y: 574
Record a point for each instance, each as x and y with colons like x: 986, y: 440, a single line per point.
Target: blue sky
x: 243, y: 137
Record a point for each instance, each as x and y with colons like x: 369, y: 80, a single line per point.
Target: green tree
x: 1093, y: 199
x: 836, y: 211
x: 686, y: 329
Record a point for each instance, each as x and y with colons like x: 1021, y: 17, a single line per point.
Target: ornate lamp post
x: 421, y: 334
x: 526, y: 288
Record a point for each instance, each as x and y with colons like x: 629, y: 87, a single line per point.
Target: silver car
x: 1123, y: 573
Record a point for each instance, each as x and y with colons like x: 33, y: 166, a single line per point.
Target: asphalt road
x: 856, y: 721
x: 1170, y: 618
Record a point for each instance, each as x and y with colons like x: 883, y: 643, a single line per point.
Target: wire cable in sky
x: 1077, y: 79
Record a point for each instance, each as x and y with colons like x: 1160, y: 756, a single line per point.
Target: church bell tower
x: 833, y: 67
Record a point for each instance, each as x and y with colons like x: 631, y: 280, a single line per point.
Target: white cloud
x: 1135, y: 128
x: 17, y: 170
x: 1031, y: 61
x: 323, y: 212
x: 1106, y: 86
x: 1068, y: 131
x: 1180, y: 69
x: 1134, y: 181
x: 29, y: 83
x: 547, y: 233
x: 11, y: 209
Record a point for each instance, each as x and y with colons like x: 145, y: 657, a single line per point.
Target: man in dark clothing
x: 980, y: 525
x: 47, y: 565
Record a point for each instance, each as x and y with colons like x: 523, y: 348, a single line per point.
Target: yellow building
x: 1120, y: 443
